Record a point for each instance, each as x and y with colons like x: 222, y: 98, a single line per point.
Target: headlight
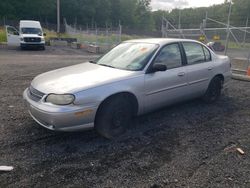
x: 42, y: 39
x: 64, y: 99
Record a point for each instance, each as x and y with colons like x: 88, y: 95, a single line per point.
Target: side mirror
x: 159, y: 67
x: 44, y: 34
x: 16, y: 33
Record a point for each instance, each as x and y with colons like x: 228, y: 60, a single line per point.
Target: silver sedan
x: 134, y: 78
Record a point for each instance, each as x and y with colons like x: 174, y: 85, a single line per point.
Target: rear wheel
x: 114, y: 117
x: 214, y: 90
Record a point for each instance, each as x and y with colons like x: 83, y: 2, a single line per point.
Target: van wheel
x: 43, y: 48
x: 114, y: 117
x: 214, y: 90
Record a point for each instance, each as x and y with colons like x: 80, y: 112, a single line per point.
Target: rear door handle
x: 181, y: 74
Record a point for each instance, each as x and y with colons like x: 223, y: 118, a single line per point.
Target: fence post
x: 96, y: 33
x: 179, y: 24
x: 4, y: 21
x: 120, y: 31
x: 166, y: 30
x: 203, y: 27
x: 228, y: 27
x: 58, y: 16
x: 107, y: 32
x: 162, y: 28
x: 245, y: 34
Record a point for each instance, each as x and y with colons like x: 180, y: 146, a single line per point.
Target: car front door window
x: 170, y: 56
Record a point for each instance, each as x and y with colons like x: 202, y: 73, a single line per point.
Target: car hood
x: 78, y: 77
x: 31, y: 35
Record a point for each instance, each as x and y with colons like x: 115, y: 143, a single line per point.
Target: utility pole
x: 58, y: 16
x: 228, y: 26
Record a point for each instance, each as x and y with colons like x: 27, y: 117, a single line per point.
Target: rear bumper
x: 61, y: 118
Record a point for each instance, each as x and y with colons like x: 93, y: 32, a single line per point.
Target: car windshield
x: 128, y: 56
x: 27, y: 30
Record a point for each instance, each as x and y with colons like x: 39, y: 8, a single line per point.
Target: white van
x: 30, y: 34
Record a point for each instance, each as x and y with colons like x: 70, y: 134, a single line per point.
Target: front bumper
x: 33, y: 44
x: 61, y: 118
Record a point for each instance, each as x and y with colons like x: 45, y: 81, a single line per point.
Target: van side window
x: 170, y: 56
x: 194, y: 53
x: 207, y: 54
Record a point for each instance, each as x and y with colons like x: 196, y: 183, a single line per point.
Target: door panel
x: 199, y: 76
x: 13, y: 38
x: 199, y: 67
x: 162, y: 88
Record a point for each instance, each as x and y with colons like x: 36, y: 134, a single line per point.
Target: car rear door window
x: 170, y: 56
x: 194, y: 53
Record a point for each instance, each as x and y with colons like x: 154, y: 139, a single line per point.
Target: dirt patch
x: 178, y: 146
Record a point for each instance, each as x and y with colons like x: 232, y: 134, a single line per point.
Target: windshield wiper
x: 107, y: 65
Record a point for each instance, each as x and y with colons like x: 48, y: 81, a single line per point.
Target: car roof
x: 160, y: 41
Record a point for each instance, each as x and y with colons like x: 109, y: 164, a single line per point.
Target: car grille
x: 32, y: 39
x: 34, y: 94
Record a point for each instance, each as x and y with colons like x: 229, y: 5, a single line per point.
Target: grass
x: 234, y: 45
x: 49, y: 34
x: 53, y: 34
x: 2, y: 35
x: 111, y: 39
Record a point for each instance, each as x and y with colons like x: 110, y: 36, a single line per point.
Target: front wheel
x: 214, y: 90
x: 114, y: 117
x: 43, y: 48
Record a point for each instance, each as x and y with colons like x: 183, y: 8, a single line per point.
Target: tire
x: 114, y: 117
x: 213, y: 92
x: 43, y: 48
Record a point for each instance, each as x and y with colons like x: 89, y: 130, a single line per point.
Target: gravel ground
x: 186, y: 145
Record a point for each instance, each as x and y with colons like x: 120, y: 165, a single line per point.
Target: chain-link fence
x: 224, y: 39
x: 105, y: 38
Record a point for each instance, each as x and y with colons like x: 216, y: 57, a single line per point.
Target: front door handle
x: 181, y: 74
x: 209, y: 68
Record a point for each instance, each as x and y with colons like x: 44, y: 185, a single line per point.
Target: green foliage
x: 2, y: 35
x: 133, y: 14
x: 193, y: 17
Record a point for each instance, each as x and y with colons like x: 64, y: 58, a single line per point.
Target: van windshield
x: 27, y: 30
